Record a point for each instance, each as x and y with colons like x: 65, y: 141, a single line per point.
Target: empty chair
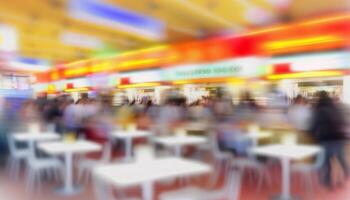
x: 85, y: 165
x: 36, y: 167
x: 253, y: 166
x: 230, y: 190
x: 309, y: 170
x: 16, y: 156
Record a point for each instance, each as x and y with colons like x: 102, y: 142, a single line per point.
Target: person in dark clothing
x: 328, y: 130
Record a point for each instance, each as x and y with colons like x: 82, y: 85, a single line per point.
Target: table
x: 31, y: 138
x: 128, y: 136
x: 178, y: 141
x: 146, y: 173
x: 255, y: 136
x: 286, y: 153
x: 68, y: 149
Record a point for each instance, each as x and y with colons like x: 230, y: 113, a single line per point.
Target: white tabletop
x: 131, y: 134
x: 62, y: 147
x: 140, y: 172
x: 295, y: 152
x: 180, y: 140
x: 23, y: 137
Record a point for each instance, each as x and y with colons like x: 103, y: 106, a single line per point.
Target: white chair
x: 309, y: 170
x: 16, y: 156
x: 253, y: 166
x: 230, y: 190
x: 85, y: 165
x: 53, y: 167
x: 221, y: 159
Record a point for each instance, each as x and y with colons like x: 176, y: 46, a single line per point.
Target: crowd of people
x: 323, y: 119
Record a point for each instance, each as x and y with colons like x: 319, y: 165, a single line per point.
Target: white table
x: 177, y: 142
x: 32, y: 138
x: 255, y: 136
x: 146, y: 173
x: 128, y: 136
x: 286, y: 153
x: 68, y: 149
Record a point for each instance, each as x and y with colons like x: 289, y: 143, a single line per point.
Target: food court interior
x: 174, y: 99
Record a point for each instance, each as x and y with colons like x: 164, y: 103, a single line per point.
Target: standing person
x: 328, y: 130
x: 299, y: 114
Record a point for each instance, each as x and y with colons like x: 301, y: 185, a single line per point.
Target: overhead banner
x: 242, y: 67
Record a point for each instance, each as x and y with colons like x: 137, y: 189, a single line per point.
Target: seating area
x: 195, y: 167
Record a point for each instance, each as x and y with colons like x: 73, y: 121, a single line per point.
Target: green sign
x: 245, y: 67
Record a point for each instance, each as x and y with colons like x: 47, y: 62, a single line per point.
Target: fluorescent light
x: 116, y: 17
x: 29, y: 64
x: 310, y: 74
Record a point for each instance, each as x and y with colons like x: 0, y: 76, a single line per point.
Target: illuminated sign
x: 242, y: 67
x: 315, y: 61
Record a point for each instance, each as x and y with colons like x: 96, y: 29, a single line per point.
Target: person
x: 299, y: 114
x: 328, y: 130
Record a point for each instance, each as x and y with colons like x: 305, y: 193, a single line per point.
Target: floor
x: 15, y: 190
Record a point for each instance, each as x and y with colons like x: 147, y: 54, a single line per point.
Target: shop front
x: 207, y: 80
x: 309, y: 73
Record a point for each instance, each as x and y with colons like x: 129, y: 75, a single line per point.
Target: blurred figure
x: 328, y: 130
x: 299, y: 114
x: 125, y: 114
x: 247, y: 108
x: 222, y: 106
x: 69, y: 118
x: 30, y: 112
x: 169, y: 116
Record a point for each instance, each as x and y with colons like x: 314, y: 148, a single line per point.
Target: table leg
x: 128, y: 149
x: 147, y: 191
x: 178, y: 151
x: 285, y: 181
x: 285, y: 178
x: 68, y: 188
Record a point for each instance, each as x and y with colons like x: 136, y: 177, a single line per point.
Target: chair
x: 15, y: 157
x: 53, y: 167
x: 85, y: 165
x: 230, y: 190
x: 221, y: 159
x: 252, y: 165
x: 309, y: 170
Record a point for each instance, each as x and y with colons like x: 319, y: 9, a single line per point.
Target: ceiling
x: 40, y: 23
